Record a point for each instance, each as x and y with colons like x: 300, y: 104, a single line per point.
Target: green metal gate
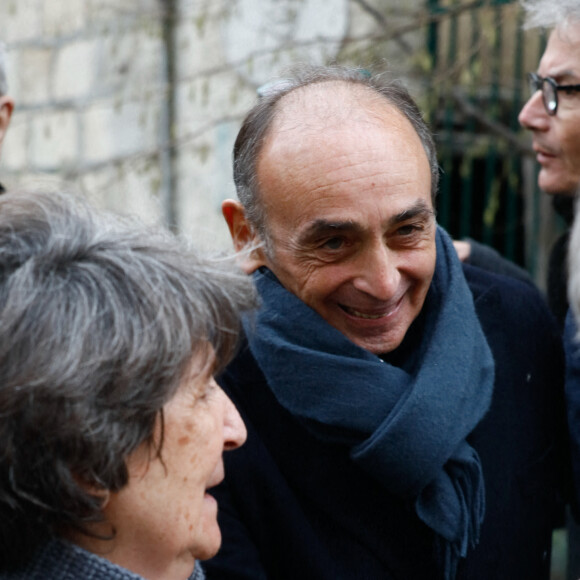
x: 479, y: 56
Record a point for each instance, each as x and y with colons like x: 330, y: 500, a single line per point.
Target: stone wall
x: 97, y: 105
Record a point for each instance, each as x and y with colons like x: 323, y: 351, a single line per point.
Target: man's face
x: 556, y: 139
x: 350, y: 220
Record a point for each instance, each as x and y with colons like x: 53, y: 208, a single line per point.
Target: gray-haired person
x: 405, y: 412
x: 6, y: 101
x: 552, y: 114
x: 112, y: 427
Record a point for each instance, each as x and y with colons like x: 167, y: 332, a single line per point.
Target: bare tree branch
x: 382, y: 21
x: 498, y: 129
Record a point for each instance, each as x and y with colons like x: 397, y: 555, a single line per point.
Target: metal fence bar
x: 466, y: 170
x: 514, y: 181
x: 492, y: 186
x: 448, y: 122
x: 477, y: 56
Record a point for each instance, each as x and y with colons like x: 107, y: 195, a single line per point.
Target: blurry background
x: 136, y: 103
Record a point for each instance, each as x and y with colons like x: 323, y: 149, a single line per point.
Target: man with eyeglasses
x: 549, y: 88
x: 552, y: 114
x: 553, y: 111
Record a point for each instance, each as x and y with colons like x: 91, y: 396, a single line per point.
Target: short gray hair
x: 3, y: 79
x: 258, y: 122
x: 551, y: 13
x: 100, y: 319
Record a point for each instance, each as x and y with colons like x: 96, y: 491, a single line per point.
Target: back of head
x: 259, y: 121
x: 100, y: 318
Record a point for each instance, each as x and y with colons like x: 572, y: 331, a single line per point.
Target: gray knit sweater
x: 59, y: 560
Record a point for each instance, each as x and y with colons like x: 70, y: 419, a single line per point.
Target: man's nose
x: 378, y: 274
x: 533, y: 116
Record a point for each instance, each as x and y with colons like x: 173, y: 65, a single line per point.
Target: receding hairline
x: 339, y: 102
x: 348, y: 100
x: 363, y: 91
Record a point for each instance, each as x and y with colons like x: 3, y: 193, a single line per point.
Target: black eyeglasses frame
x: 538, y: 83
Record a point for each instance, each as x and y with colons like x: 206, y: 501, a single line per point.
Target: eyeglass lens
x: 549, y: 93
x: 550, y: 96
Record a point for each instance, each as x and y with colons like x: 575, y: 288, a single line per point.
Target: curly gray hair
x: 100, y: 317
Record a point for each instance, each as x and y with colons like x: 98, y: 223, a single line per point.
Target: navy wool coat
x: 293, y: 507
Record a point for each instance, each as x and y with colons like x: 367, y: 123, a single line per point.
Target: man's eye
x: 407, y: 230
x: 333, y: 244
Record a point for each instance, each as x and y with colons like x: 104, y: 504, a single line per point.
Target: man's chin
x: 377, y: 345
x: 551, y: 185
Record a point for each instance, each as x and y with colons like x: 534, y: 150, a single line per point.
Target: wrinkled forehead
x: 333, y: 114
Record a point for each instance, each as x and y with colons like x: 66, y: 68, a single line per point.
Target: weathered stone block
x: 20, y: 20
x: 111, y: 132
x: 125, y: 188
x: 54, y: 140
x: 15, y: 145
x: 75, y: 68
x: 132, y: 63
x: 33, y: 69
x: 199, y: 45
x: 62, y: 18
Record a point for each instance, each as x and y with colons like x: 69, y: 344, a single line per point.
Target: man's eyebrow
x: 418, y: 210
x: 321, y: 227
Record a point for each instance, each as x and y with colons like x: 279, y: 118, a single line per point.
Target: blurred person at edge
x: 6, y: 102
x: 112, y: 427
x: 552, y: 114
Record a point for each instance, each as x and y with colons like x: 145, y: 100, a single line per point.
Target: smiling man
x: 402, y: 409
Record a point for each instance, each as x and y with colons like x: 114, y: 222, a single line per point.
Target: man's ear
x: 246, y: 240
x: 6, y: 108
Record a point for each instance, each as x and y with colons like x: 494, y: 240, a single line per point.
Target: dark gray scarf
x: 406, y: 417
